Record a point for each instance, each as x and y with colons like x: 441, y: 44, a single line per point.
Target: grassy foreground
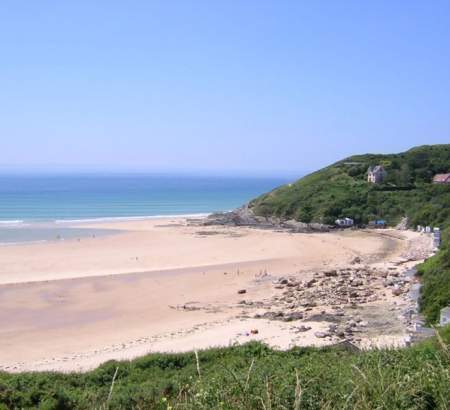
x: 249, y: 377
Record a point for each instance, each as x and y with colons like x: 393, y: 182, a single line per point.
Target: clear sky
x: 219, y: 86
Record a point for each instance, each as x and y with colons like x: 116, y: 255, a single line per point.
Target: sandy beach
x: 165, y: 285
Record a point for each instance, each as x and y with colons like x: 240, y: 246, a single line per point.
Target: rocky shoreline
x: 336, y: 295
x: 244, y: 216
x: 358, y: 301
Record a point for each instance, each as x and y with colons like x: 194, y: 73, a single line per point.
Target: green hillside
x: 342, y: 190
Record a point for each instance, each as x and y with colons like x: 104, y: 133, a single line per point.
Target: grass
x: 249, y: 377
x: 435, y: 278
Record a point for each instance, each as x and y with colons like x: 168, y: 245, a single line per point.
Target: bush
x: 251, y: 376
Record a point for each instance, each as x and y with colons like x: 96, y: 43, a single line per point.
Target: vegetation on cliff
x: 248, y: 377
x: 341, y: 190
x: 435, y: 278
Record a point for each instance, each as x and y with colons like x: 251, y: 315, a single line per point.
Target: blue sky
x: 219, y: 86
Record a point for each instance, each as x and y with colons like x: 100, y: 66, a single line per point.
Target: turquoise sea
x: 40, y: 207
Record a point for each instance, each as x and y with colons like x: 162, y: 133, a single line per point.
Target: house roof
x: 377, y: 168
x: 441, y: 177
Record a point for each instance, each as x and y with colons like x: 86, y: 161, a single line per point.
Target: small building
x: 437, y: 237
x: 378, y: 223
x: 441, y: 179
x: 376, y: 174
x: 344, y: 222
x: 445, y: 316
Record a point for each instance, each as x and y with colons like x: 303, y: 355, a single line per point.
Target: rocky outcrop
x: 403, y: 224
x: 245, y: 216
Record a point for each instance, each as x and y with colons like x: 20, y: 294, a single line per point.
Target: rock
x: 332, y: 327
x: 355, y: 260
x: 283, y: 281
x: 403, y: 225
x: 238, y: 217
x: 245, y: 216
x: 388, y: 282
x: 348, y: 329
x: 397, y: 292
x: 302, y: 328
x: 295, y: 226
x: 242, y: 291
x: 311, y: 282
x: 394, y: 274
x: 330, y: 273
x: 321, y: 335
x: 293, y: 316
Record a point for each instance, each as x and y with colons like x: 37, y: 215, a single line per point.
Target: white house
x: 376, y: 174
x: 344, y: 222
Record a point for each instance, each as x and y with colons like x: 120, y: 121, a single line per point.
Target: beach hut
x: 344, y: 222
x: 437, y: 237
x: 378, y: 223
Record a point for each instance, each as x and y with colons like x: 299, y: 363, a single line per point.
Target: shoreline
x: 85, y: 305
x: 89, y: 219
x: 40, y: 231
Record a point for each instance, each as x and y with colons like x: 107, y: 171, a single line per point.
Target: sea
x: 37, y: 208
